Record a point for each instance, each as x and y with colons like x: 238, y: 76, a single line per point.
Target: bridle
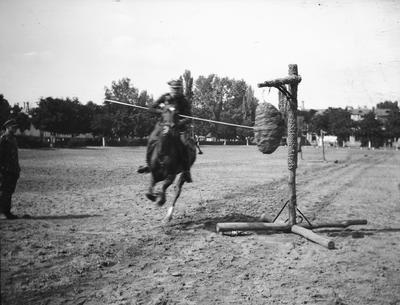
x: 167, y: 126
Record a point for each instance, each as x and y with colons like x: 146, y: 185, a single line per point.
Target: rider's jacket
x: 9, y: 155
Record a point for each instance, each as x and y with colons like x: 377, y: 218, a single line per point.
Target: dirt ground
x: 95, y: 239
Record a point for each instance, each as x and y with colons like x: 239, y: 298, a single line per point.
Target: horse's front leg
x: 150, y: 195
x: 162, y: 196
x: 178, y: 189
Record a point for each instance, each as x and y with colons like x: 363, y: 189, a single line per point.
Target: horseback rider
x: 174, y: 98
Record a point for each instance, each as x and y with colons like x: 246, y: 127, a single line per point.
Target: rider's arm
x: 186, y: 111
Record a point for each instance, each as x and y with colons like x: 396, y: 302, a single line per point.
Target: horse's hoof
x: 161, y: 201
x: 151, y: 197
x: 168, y: 217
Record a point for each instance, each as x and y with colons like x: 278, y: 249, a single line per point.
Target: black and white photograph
x: 172, y: 152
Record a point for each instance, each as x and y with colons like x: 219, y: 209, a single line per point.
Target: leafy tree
x: 188, y: 85
x: 101, y: 124
x: 340, y: 124
x: 307, y: 117
x: 7, y: 112
x: 126, y: 121
x: 23, y: 120
x: 392, y: 122
x: 202, y: 94
x: 63, y: 116
x: 392, y: 126
x: 319, y: 122
x: 234, y: 110
x: 209, y: 96
x: 95, y: 112
x: 334, y: 121
x: 388, y: 105
x: 224, y: 99
x: 370, y: 129
x: 122, y: 116
x: 188, y: 93
x: 144, y: 120
x: 249, y: 106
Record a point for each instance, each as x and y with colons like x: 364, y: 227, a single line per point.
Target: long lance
x: 182, y: 115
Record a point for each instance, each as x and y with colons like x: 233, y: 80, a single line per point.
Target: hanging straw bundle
x: 268, y: 128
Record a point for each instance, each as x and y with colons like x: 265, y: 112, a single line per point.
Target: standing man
x: 176, y: 98
x: 9, y: 167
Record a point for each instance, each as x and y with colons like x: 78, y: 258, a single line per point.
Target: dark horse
x: 164, y: 157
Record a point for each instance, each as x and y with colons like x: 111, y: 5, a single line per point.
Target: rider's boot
x: 143, y: 169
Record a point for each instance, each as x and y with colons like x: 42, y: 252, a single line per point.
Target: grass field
x: 93, y: 237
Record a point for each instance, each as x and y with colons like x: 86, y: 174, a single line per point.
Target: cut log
x: 323, y: 241
x: 291, y: 79
x: 265, y: 226
x: 338, y: 224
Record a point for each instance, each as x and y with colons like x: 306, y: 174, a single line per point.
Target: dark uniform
x: 9, y: 169
x: 182, y: 106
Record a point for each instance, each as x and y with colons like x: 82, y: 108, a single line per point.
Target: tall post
x: 323, y: 145
x: 287, y: 87
x: 292, y: 144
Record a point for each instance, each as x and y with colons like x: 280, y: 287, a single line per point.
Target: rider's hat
x: 175, y: 84
x: 10, y: 123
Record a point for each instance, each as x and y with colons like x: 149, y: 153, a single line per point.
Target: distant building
x: 328, y: 140
x: 357, y: 114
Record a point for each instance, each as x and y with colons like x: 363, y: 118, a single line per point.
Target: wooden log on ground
x: 338, y: 224
x: 251, y: 226
x: 313, y: 236
x: 266, y: 226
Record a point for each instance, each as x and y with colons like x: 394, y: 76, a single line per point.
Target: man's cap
x: 175, y: 83
x: 10, y: 123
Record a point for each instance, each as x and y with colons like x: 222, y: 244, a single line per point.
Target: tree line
x: 212, y: 97
x: 370, y: 129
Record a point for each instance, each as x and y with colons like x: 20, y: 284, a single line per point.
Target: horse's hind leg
x: 178, y: 190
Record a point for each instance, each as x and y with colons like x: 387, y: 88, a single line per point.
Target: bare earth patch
x: 95, y: 239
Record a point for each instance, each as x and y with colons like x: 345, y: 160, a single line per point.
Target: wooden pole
x: 313, y: 236
x: 265, y: 226
x: 292, y: 144
x: 290, y: 107
x: 323, y: 145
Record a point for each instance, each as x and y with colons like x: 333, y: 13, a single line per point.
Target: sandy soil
x: 94, y: 239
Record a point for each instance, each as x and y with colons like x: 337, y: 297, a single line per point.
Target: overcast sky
x: 347, y: 52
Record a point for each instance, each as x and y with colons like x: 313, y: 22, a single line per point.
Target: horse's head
x: 168, y: 118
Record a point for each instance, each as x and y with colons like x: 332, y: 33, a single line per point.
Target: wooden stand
x: 288, y: 87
